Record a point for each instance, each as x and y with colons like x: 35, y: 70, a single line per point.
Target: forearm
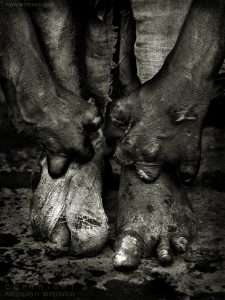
x: 25, y: 77
x: 200, y: 48
x: 57, y: 31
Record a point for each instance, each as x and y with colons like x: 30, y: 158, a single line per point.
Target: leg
x: 67, y: 212
x: 154, y: 215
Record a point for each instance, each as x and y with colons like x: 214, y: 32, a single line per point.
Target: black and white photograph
x: 112, y: 149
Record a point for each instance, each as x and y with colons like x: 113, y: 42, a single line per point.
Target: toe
x: 180, y: 244
x: 59, y: 240
x: 61, y: 234
x: 164, y: 252
x: 128, y: 251
x: 81, y: 149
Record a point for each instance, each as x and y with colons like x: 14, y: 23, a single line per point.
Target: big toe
x: 128, y: 251
x: 59, y: 240
x: 180, y: 244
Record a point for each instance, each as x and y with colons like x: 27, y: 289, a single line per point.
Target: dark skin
x: 42, y: 108
x: 152, y: 218
x: 161, y: 120
x: 42, y: 90
x: 171, y: 107
x: 164, y: 122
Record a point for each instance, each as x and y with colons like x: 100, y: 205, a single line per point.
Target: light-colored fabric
x: 158, y: 24
x: 100, y: 45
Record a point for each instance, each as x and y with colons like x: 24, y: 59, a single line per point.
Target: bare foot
x: 155, y: 216
x: 67, y: 212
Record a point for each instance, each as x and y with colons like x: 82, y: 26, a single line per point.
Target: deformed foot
x: 67, y: 213
x: 152, y: 218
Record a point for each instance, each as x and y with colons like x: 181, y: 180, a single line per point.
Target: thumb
x: 120, y: 111
x: 57, y: 165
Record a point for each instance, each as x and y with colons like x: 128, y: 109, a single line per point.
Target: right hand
x: 60, y: 128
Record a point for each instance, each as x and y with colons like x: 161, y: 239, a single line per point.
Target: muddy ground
x: 26, y: 272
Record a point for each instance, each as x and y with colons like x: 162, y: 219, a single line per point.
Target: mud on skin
x: 152, y: 218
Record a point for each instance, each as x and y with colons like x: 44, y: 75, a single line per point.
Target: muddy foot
x: 67, y: 212
x: 152, y: 218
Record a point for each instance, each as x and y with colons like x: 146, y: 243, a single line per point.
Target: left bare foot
x: 152, y: 216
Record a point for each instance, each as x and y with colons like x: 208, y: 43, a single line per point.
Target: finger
x: 57, y: 165
x: 150, y: 152
x: 188, y: 171
x: 148, y: 172
x: 120, y: 111
x: 92, y: 118
x: 125, y: 153
x: 164, y: 252
x: 81, y: 149
x: 180, y: 244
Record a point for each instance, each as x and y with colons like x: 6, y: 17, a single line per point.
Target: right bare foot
x: 156, y: 216
x: 67, y: 212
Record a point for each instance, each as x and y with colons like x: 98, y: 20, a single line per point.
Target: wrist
x: 197, y: 79
x: 200, y: 76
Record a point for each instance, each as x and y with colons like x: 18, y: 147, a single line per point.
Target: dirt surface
x: 26, y: 272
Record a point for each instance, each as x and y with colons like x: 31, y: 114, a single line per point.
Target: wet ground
x: 26, y: 272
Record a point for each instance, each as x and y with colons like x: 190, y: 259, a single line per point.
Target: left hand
x: 164, y: 118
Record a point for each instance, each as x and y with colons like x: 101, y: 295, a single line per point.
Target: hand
x: 61, y: 128
x: 164, y: 119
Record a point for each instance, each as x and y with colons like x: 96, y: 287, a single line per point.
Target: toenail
x: 165, y: 257
x: 120, y: 258
x: 163, y: 253
x: 182, y: 242
x: 143, y: 175
x: 148, y: 172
